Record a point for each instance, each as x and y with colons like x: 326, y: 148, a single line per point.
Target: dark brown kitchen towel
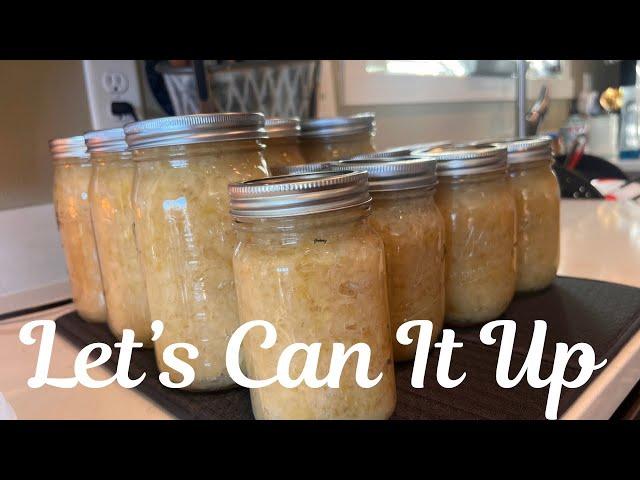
x: 605, y: 315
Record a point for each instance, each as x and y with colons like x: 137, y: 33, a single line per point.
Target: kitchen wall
x: 406, y: 124
x: 39, y: 100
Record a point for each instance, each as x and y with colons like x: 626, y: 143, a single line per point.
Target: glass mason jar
x: 184, y: 231
x: 537, y: 195
x: 479, y: 213
x: 283, y: 144
x: 308, y: 262
x: 71, y: 176
x: 337, y: 138
x: 113, y: 223
x: 405, y: 215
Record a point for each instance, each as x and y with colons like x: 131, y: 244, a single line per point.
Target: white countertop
x: 599, y: 240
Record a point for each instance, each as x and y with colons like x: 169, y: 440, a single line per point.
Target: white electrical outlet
x: 115, y: 83
x: 109, y: 81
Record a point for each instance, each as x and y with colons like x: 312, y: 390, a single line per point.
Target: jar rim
x: 393, y: 174
x: 468, y: 159
x: 404, y: 150
x: 68, y: 147
x: 298, y: 194
x: 524, y: 149
x: 107, y: 140
x: 197, y: 128
x: 281, y: 127
x: 299, y: 169
x: 338, y: 126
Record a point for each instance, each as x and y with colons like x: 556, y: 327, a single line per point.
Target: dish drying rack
x: 276, y: 88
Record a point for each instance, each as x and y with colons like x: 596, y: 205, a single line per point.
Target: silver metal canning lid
x: 523, y: 150
x: 403, y: 150
x: 337, y: 126
x: 298, y: 169
x: 68, y: 147
x: 198, y: 128
x: 282, y: 127
x: 400, y: 173
x: 468, y: 159
x: 295, y: 195
x: 110, y: 140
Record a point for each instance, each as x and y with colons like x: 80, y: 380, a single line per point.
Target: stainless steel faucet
x: 528, y: 122
x: 521, y: 98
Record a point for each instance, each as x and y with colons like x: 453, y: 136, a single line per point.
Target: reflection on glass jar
x: 282, y: 143
x: 537, y: 195
x: 478, y: 209
x: 113, y: 223
x: 316, y: 271
x: 184, y: 232
x: 337, y: 138
x: 405, y: 215
x: 71, y: 176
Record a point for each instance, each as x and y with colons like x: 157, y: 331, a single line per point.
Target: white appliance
x: 33, y: 270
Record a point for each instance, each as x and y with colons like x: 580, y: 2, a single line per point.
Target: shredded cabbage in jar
x: 412, y: 229
x: 185, y: 238
x: 480, y: 235
x: 326, y: 149
x: 71, y: 199
x: 317, y: 280
x: 113, y: 222
x: 282, y: 152
x: 537, y: 196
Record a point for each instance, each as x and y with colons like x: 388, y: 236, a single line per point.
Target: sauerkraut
x: 71, y: 199
x: 480, y: 235
x: 413, y: 233
x: 113, y: 222
x: 186, y: 241
x: 282, y: 152
x: 537, y: 196
x: 325, y: 149
x: 321, y: 279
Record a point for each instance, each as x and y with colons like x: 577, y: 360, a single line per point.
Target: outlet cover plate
x: 97, y: 74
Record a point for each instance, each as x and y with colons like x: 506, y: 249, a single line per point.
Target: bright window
x: 464, y: 68
x: 380, y: 82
